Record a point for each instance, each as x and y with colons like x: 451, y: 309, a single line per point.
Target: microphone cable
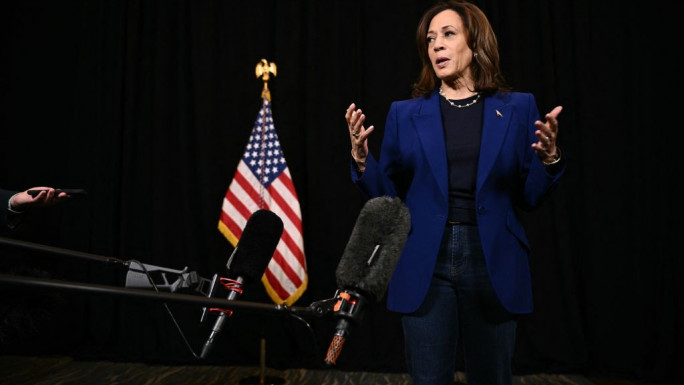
x: 311, y: 332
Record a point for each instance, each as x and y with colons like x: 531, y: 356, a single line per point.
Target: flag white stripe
x: 284, y: 281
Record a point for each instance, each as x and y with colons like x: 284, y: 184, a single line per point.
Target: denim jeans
x: 460, y: 308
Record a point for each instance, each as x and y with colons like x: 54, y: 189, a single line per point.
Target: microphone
x: 367, y: 264
x: 248, y: 261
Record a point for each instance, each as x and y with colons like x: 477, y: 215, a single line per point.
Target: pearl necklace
x: 441, y: 92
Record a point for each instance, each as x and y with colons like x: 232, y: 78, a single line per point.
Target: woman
x: 463, y: 154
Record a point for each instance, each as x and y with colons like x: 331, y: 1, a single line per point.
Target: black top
x: 462, y: 133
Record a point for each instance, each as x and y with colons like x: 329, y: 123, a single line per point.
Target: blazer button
x: 481, y: 210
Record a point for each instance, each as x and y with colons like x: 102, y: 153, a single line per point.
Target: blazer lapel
x: 428, y: 123
x: 495, y: 122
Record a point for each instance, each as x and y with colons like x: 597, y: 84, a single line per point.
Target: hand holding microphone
x: 249, y: 260
x: 367, y: 264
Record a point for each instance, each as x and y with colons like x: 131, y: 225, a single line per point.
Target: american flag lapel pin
x: 499, y: 114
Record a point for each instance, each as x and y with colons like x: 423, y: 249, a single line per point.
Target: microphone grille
x: 383, y: 221
x: 256, y: 245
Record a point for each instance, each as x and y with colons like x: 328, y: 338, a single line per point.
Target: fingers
x: 355, y: 120
x: 352, y: 115
x: 546, y: 137
x: 50, y: 194
x: 43, y: 193
x: 544, y: 150
x: 349, y: 112
x: 554, y: 113
x: 547, y: 133
x: 47, y: 195
x: 363, y: 135
x: 357, y: 123
x: 552, y: 119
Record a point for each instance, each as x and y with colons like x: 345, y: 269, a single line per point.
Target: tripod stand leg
x: 262, y: 362
x: 262, y: 379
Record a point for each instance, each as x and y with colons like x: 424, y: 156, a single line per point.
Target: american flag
x: 263, y: 181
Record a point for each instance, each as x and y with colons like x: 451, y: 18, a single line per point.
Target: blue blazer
x: 413, y: 166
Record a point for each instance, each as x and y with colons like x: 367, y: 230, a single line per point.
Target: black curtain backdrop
x: 148, y: 105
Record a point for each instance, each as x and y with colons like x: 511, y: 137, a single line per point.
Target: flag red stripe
x: 275, y: 284
x: 231, y: 225
x: 238, y: 205
x: 293, y: 247
x: 251, y: 191
x: 294, y: 218
x: 287, y: 182
x: 287, y: 269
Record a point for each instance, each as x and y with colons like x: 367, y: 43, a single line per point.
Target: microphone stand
x: 137, y: 277
x: 316, y: 309
x: 153, y: 295
x: 61, y: 251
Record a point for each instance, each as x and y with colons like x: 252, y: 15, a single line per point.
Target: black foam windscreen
x: 374, y: 246
x: 256, y: 245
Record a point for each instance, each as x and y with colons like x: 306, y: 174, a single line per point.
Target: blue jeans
x: 460, y: 307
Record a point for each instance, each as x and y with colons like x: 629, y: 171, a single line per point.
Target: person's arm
x: 546, y: 163
x: 23, y: 201
x: 16, y: 203
x: 547, y: 134
x: 358, y: 135
x: 5, y: 213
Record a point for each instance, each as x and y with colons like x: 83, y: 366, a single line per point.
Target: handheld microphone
x: 249, y: 260
x: 367, y: 264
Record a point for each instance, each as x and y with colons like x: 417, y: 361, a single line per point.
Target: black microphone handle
x: 220, y: 320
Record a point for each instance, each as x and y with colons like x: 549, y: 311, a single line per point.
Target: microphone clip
x: 323, y: 307
x: 234, y: 287
x: 349, y: 304
x: 349, y: 308
x: 345, y: 303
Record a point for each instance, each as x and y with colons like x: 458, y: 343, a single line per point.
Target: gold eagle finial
x: 263, y: 69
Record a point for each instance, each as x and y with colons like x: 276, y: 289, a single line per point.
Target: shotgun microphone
x: 248, y: 261
x: 367, y: 264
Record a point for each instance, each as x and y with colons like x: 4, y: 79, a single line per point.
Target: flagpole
x: 262, y: 180
x: 263, y: 70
